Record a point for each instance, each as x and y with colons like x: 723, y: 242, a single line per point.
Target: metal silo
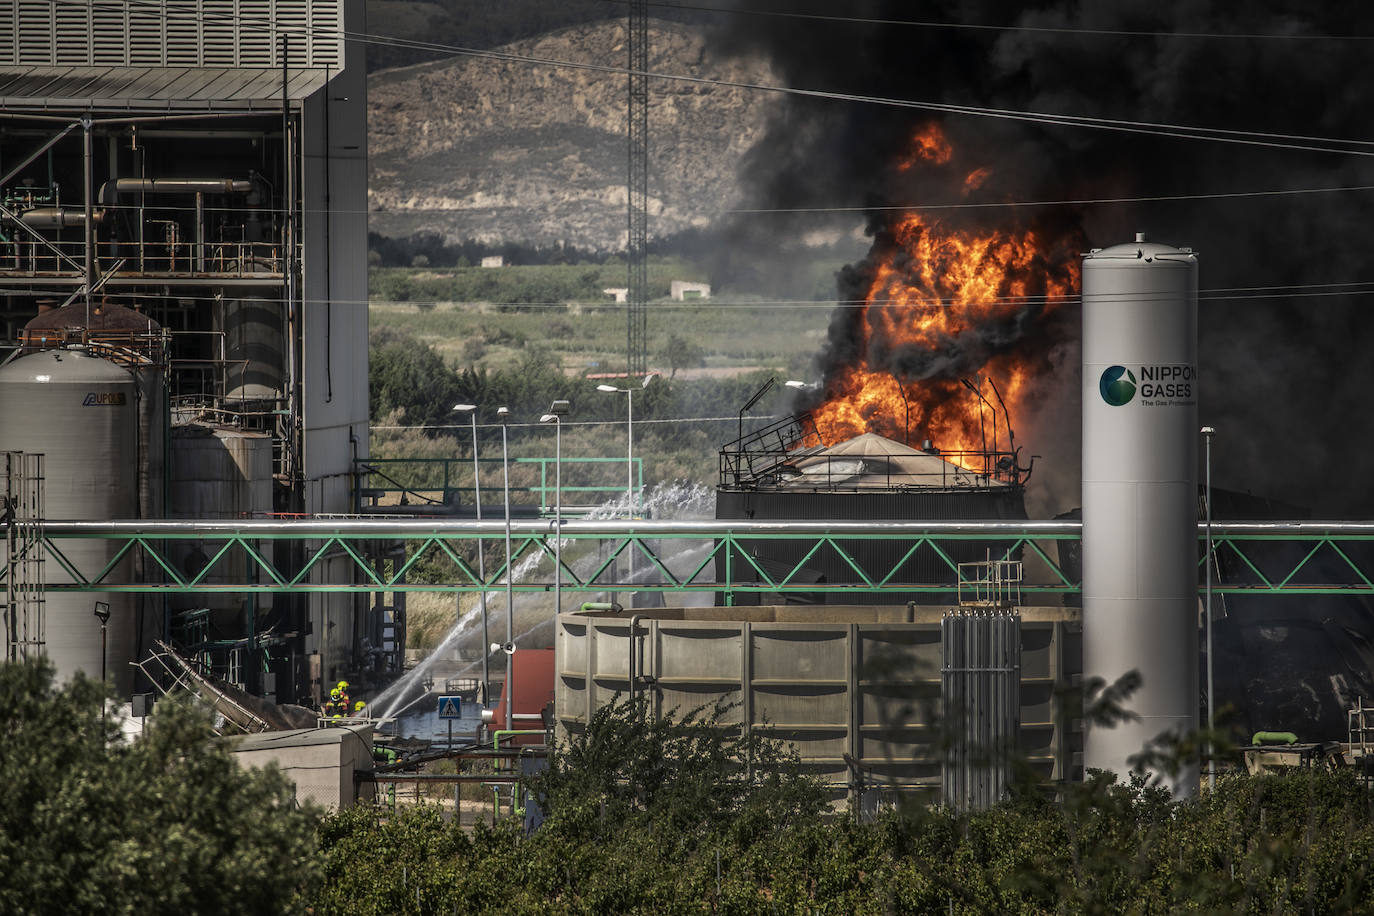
x: 81, y: 412
x: 219, y: 472
x: 1140, y: 560
x: 255, y: 348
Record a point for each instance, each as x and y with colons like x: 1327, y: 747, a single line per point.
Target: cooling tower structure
x: 1140, y: 552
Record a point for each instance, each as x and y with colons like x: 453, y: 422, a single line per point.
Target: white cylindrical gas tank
x: 81, y: 413
x: 1140, y: 496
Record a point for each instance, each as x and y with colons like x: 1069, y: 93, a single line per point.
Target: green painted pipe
x: 496, y: 735
x: 1274, y: 738
x: 600, y: 606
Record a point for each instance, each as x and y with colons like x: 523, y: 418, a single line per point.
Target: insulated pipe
x: 59, y: 218
x: 176, y: 186
x: 88, y: 221
x: 634, y: 623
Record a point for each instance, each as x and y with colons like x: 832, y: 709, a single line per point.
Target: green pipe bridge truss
x: 363, y: 555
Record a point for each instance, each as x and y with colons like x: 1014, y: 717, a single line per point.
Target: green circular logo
x: 1117, y: 385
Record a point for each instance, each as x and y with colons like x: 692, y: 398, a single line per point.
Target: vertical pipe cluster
x: 980, y: 681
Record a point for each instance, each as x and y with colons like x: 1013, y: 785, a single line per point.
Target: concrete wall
x: 321, y: 762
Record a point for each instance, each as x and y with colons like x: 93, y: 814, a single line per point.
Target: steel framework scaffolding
x: 21, y: 527
x: 1259, y: 558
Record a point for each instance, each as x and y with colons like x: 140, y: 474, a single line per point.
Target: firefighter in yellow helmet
x: 345, y: 706
x: 358, y: 709
x: 331, y: 707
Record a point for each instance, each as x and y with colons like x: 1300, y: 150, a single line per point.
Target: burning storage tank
x: 81, y: 413
x: 868, y: 477
x: 1140, y: 429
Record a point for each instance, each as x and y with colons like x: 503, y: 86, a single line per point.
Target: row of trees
x: 409, y: 376
x: 410, y: 383
x: 512, y: 288
x: 433, y: 249
x: 643, y: 814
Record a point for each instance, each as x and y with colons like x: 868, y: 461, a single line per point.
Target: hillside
x: 514, y: 151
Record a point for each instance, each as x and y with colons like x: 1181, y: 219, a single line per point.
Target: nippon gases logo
x: 1117, y: 385
x: 1155, y: 386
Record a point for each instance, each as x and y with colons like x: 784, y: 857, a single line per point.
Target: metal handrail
x: 452, y: 471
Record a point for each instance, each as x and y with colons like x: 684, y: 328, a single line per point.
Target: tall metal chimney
x: 1140, y: 551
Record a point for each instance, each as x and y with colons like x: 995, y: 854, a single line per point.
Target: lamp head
x: 548, y: 418
x: 559, y: 408
x: 606, y: 388
x: 464, y: 408
x: 503, y: 412
x: 647, y: 379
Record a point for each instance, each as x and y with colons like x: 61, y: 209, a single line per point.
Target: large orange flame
x: 945, y: 304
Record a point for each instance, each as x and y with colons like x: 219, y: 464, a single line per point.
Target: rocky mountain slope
x: 516, y: 151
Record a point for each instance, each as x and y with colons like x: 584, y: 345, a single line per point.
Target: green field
x: 487, y: 317
x: 521, y: 337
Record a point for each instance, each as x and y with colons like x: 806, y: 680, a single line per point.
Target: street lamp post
x: 504, y: 414
x: 1207, y: 434
x: 629, y: 439
x: 471, y: 411
x: 555, y: 416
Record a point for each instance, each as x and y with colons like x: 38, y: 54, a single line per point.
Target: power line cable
x: 1053, y: 30
x: 965, y: 205
x: 614, y: 421
x: 1293, y: 291
x: 1301, y: 142
x: 1075, y: 202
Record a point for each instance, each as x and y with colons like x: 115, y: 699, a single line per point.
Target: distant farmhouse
x: 682, y: 289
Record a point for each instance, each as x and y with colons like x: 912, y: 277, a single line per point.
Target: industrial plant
x: 184, y: 432
x: 182, y: 203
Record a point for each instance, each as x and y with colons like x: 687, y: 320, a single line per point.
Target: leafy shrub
x: 167, y: 823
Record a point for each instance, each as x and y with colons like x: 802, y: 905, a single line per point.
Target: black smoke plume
x: 1284, y: 376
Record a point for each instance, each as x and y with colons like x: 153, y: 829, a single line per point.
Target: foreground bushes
x: 667, y: 816
x: 168, y: 823
x: 1132, y: 851
x: 646, y: 815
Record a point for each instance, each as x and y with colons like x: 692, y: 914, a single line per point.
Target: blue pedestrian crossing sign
x: 450, y: 707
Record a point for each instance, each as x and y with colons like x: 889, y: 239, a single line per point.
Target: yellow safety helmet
x: 334, y: 694
x: 358, y: 707
x: 343, y: 685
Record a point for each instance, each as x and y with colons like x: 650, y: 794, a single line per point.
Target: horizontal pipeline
x: 363, y: 776
x: 420, y: 527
